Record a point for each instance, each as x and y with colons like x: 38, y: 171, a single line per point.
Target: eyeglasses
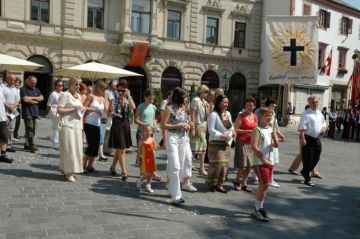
x: 77, y: 84
x: 60, y: 85
x: 316, y: 102
x: 122, y: 91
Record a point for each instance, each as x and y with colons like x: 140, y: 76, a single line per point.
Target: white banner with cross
x: 291, y: 49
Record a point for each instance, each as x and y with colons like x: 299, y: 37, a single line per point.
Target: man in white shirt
x: 3, y: 128
x: 12, y: 101
x: 312, y: 126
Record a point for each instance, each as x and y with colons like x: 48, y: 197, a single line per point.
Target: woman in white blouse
x: 221, y: 134
x: 71, y: 111
x: 52, y: 105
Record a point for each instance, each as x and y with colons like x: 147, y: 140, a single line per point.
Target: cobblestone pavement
x: 36, y: 201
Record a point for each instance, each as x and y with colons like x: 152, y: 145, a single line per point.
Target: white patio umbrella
x: 10, y: 63
x: 94, y: 70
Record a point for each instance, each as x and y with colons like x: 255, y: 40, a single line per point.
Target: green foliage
x: 192, y: 91
x: 158, y: 97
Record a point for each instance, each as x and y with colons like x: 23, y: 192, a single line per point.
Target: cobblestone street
x: 36, y: 201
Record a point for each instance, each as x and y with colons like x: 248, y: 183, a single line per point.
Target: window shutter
x: 327, y: 19
x: 340, y: 26
x: 350, y: 23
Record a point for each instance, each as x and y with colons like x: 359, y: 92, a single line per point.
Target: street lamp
x: 226, y: 78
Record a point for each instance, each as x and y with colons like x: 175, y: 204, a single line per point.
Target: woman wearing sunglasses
x: 120, y: 138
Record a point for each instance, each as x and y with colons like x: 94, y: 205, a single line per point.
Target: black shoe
x: 263, y: 212
x: 103, y: 159
x: 27, y: 148
x: 212, y: 189
x: 6, y: 159
x: 178, y: 201
x: 309, y: 183
x: 11, y: 150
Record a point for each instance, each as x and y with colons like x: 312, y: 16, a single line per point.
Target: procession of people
x: 202, y: 127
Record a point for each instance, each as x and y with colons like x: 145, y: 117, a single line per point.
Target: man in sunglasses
x: 312, y: 126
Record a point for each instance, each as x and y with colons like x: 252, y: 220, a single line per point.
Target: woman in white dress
x: 71, y: 111
x: 52, y: 105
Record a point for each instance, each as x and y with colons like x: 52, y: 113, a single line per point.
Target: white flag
x: 292, y: 49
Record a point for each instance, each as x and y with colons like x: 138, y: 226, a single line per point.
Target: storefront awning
x: 139, y: 54
x: 308, y: 86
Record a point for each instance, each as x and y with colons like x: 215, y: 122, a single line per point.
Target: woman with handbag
x: 71, y: 112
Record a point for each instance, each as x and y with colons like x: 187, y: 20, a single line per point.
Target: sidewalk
x: 36, y: 201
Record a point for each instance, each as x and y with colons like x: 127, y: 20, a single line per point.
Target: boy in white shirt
x: 263, y: 140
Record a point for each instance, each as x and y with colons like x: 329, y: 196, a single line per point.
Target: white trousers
x: 55, y: 133
x: 179, y: 162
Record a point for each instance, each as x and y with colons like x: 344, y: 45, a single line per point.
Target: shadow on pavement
x: 25, y: 173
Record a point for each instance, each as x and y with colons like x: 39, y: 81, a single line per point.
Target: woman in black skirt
x: 120, y: 130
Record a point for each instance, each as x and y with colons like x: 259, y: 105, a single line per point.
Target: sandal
x: 220, y: 189
x: 246, y: 189
x: 157, y: 178
x: 236, y: 185
x: 113, y: 172
x: 203, y: 172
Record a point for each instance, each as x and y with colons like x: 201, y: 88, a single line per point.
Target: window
x: 40, y: 10
x: 321, y: 59
x: 140, y: 16
x: 240, y: 29
x: 324, y: 19
x: 95, y: 14
x: 212, y: 30
x: 306, y: 10
x: 345, y: 26
x: 342, y: 58
x: 174, y: 25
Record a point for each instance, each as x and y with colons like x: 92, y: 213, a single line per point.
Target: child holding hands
x: 146, y: 156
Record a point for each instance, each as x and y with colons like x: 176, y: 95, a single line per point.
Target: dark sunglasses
x: 60, y: 85
x: 122, y: 91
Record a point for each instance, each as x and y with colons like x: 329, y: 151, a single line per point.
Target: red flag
x: 355, y: 83
x: 328, y: 63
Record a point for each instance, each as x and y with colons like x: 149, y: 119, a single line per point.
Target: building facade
x: 339, y: 38
x: 171, y: 42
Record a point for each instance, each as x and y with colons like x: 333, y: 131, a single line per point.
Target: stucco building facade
x: 187, y: 42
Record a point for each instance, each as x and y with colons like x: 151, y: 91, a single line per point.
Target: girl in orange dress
x: 146, y: 156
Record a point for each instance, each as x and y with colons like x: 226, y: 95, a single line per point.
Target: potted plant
x: 158, y: 97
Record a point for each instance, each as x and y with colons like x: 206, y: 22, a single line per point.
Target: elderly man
x: 312, y: 126
x: 12, y: 101
x: 30, y: 98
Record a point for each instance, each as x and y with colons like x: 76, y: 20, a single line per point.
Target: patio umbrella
x: 94, y: 70
x: 10, y: 63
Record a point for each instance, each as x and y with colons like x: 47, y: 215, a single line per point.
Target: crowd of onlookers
x: 99, y: 118
x: 346, y: 121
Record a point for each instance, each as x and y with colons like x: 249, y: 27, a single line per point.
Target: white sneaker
x: 149, y: 189
x: 15, y: 140
x: 274, y: 184
x: 189, y: 188
x: 138, y: 184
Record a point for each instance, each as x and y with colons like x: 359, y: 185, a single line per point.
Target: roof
x: 341, y: 2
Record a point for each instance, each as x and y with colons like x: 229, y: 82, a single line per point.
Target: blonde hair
x: 265, y: 110
x: 74, y: 80
x: 218, y: 92
x: 201, y: 89
x: 100, y: 87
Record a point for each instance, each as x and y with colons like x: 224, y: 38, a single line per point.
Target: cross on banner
x: 293, y: 49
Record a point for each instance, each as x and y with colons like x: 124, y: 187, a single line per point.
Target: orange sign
x: 139, y: 54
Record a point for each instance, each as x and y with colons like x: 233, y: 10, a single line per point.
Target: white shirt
x: 11, y: 94
x: 312, y: 121
x: 53, y: 103
x: 163, y: 104
x: 3, y: 116
x: 216, y: 127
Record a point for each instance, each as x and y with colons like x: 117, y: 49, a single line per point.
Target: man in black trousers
x: 312, y: 126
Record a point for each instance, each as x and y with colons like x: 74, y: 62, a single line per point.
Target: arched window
x: 170, y: 78
x: 211, y: 79
x: 236, y: 93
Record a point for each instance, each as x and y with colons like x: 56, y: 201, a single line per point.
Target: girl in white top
x: 95, y: 109
x: 52, y: 106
